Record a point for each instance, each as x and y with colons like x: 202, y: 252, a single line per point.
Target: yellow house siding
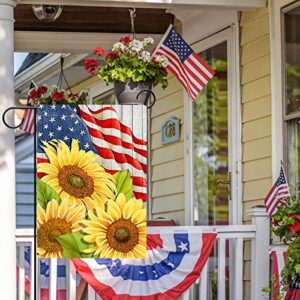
x: 167, y: 161
x: 256, y: 105
x: 256, y: 117
x: 85, y: 83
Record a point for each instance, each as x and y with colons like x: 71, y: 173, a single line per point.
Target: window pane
x: 293, y: 154
x: 210, y: 143
x: 292, y: 60
x: 292, y: 94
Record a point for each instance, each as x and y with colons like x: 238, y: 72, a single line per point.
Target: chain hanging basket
x: 129, y: 66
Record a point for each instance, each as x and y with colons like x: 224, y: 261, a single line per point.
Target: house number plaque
x: 170, y: 130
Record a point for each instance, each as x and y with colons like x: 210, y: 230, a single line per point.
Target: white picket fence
x: 228, y: 255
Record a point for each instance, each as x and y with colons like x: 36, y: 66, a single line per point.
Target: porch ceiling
x: 95, y: 19
x: 210, y: 4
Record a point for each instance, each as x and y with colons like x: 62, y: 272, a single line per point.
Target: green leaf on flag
x: 45, y: 193
x: 124, y: 184
x: 73, y: 245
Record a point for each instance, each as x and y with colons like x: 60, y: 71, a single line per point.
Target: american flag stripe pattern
x: 119, y: 148
x: 102, y: 130
x: 279, y: 258
x: 28, y: 124
x: 44, y: 277
x: 174, y: 261
x: 192, y: 71
x: 278, y: 262
x: 278, y: 193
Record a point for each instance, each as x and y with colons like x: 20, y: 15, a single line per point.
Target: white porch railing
x: 228, y: 255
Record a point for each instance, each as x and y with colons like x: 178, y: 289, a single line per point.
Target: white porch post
x: 7, y: 155
x: 260, y: 258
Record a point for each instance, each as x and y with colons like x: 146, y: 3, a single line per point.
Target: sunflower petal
x: 47, y: 168
x: 41, y: 215
x: 128, y: 209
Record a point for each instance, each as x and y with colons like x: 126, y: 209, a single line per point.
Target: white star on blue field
x: 62, y: 122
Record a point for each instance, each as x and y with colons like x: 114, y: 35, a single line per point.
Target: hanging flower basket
x: 129, y: 66
x: 55, y: 95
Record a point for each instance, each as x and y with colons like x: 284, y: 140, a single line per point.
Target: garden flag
x: 173, y: 263
x: 278, y: 193
x: 192, y: 71
x: 92, y: 166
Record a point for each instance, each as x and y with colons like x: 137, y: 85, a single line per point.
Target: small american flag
x: 28, y: 123
x: 184, y: 63
x: 278, y: 193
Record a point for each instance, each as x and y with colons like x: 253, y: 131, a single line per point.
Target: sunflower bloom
x: 75, y: 175
x: 118, y: 232
x: 53, y: 222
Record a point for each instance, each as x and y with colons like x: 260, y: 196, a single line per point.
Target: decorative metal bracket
x: 14, y: 108
x: 150, y: 103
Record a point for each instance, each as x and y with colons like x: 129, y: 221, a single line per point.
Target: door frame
x: 231, y: 35
x: 276, y: 10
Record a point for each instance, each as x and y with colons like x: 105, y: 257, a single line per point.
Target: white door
x: 213, y: 138
x: 213, y: 148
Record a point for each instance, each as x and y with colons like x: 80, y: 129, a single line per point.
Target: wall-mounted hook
x: 14, y: 108
x: 149, y: 102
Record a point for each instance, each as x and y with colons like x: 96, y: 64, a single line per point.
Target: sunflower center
x: 122, y: 235
x: 53, y: 235
x: 48, y: 233
x: 76, y: 182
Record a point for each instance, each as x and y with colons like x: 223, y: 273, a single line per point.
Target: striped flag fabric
x: 102, y: 129
x: 28, y: 123
x: 191, y: 70
x: 278, y: 262
x: 279, y: 258
x: 44, y: 277
x: 173, y: 263
x: 278, y: 193
x: 44, y: 280
x: 27, y: 270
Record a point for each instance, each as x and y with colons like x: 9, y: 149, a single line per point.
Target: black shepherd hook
x: 14, y: 108
x: 149, y: 103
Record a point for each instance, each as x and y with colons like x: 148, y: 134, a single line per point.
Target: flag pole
x: 161, y: 40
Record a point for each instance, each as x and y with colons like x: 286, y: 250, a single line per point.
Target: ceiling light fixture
x: 48, y: 13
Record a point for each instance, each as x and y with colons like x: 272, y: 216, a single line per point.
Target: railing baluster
x: 203, y: 283
x: 221, y: 269
x: 32, y: 269
x: 71, y: 280
x: 53, y: 278
x: 232, y: 244
x: 38, y: 278
x: 239, y: 261
x: 21, y: 278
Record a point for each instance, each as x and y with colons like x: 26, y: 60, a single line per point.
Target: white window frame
x: 231, y: 35
x: 277, y: 80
